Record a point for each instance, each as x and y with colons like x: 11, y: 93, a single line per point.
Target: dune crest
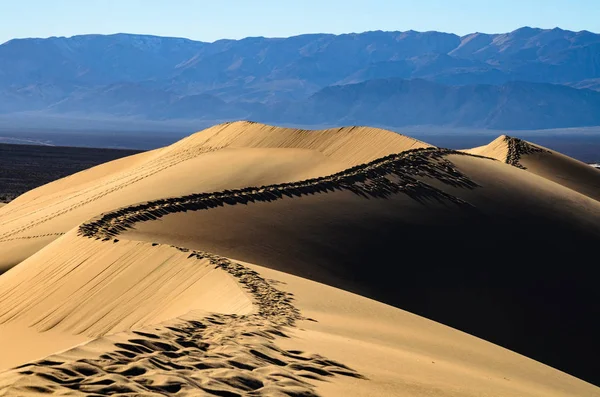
x: 507, y: 149
x: 401, y: 168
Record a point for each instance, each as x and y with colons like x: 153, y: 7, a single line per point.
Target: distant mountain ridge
x: 270, y: 79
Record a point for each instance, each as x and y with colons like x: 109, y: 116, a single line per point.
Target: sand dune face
x: 122, y: 279
x: 139, y: 271
x: 216, y: 354
x: 544, y: 162
x: 233, y: 153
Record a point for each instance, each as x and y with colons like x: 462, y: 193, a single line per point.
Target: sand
x: 57, y: 207
x: 120, y: 279
x: 544, y: 162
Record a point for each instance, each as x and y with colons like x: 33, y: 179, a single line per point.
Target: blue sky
x: 211, y: 20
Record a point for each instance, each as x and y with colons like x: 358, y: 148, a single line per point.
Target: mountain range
x: 526, y: 79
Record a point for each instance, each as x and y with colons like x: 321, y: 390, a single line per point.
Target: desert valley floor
x: 252, y: 260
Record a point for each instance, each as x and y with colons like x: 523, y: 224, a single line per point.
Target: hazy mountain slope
x: 143, y: 100
x: 150, y: 77
x: 196, y: 66
x: 523, y: 45
x: 319, y: 59
x: 92, y: 59
x: 385, y: 102
x: 592, y: 84
x: 437, y: 67
x: 516, y: 105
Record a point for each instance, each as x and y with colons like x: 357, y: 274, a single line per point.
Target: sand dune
x: 544, y: 162
x: 494, y: 206
x: 233, y: 153
x: 121, y: 280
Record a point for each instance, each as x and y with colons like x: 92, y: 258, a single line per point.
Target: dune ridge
x: 508, y: 149
x: 121, y: 181
x: 350, y: 145
x: 517, y: 148
x: 370, y: 179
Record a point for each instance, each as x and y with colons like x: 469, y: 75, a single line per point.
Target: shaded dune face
x: 477, y: 244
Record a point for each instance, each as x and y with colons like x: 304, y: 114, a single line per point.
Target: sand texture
x: 253, y: 260
x: 544, y: 162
